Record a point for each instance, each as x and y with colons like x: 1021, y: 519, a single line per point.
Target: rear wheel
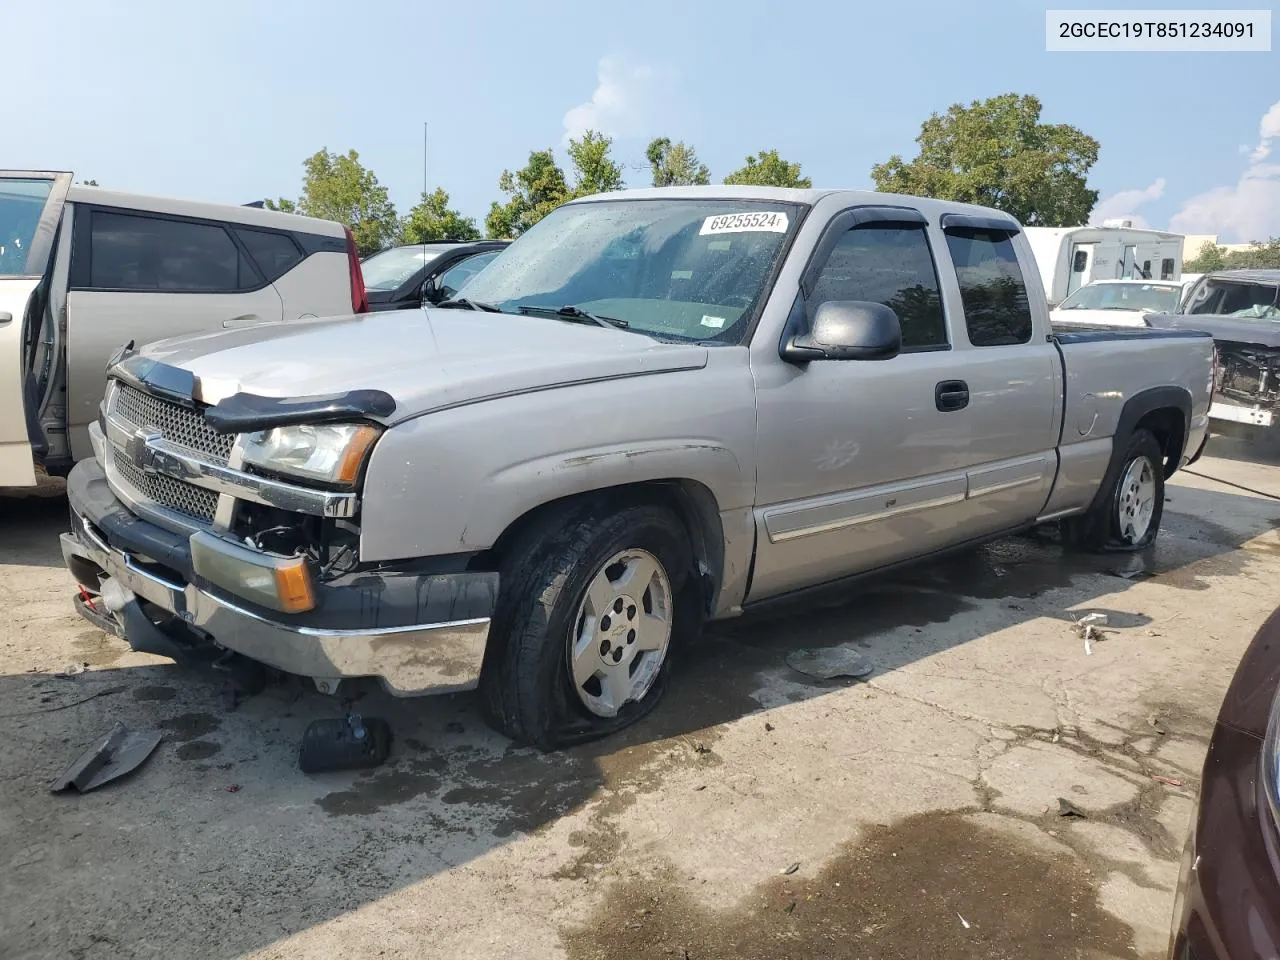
x: 1128, y: 518
x: 589, y: 611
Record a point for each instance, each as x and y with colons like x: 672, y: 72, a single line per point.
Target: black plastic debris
x: 1068, y: 809
x: 110, y: 758
x: 347, y: 743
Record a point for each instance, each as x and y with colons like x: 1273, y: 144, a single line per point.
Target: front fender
x: 452, y: 481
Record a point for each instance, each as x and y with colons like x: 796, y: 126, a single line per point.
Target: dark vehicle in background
x: 1228, y: 899
x: 1240, y: 309
x: 407, y: 276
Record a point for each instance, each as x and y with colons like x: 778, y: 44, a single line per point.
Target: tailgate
x: 30, y: 209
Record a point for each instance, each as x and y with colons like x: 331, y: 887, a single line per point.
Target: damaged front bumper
x: 418, y: 633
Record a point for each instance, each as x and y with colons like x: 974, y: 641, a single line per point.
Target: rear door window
x: 994, y: 294
x: 891, y: 265
x: 134, y: 252
x: 274, y: 253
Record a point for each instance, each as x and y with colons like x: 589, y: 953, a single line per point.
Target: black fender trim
x: 1135, y: 408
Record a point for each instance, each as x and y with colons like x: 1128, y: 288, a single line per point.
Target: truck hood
x: 425, y: 359
x: 1099, y: 318
x: 1264, y: 333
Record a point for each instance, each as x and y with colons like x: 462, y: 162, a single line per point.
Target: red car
x: 1228, y: 903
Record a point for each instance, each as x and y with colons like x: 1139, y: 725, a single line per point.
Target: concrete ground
x: 758, y: 813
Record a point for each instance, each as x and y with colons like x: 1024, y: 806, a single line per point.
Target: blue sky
x: 222, y: 101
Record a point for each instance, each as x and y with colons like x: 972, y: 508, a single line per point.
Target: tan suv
x: 85, y: 270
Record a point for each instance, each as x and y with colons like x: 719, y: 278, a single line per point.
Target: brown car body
x: 1228, y: 905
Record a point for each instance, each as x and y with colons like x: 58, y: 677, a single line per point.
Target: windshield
x: 672, y: 269
x: 1235, y: 298
x: 391, y: 269
x: 21, y: 204
x: 1156, y: 298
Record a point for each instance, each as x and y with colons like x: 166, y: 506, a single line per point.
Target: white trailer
x: 1070, y: 257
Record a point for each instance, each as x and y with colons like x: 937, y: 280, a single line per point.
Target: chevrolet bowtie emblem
x: 136, y: 448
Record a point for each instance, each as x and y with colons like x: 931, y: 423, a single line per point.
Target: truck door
x: 1081, y: 266
x: 860, y: 463
x: 30, y: 211
x: 144, y: 276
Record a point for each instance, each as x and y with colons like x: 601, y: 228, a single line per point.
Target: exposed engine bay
x: 1248, y: 373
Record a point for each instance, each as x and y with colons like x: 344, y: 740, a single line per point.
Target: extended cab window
x: 141, y: 253
x: 892, y: 265
x: 996, y: 309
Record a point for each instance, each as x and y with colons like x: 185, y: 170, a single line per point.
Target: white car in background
x: 1117, y: 303
x: 84, y: 270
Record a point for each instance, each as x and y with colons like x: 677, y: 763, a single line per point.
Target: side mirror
x: 847, y: 330
x: 431, y: 292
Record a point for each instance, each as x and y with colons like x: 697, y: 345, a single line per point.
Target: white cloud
x: 1122, y: 205
x: 630, y: 100
x: 1250, y: 208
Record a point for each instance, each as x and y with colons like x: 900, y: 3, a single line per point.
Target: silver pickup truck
x: 654, y: 408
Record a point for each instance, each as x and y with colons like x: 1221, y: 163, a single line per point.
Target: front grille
x: 177, y: 423
x: 193, y: 502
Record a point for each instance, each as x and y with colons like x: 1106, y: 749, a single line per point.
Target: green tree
x: 767, y: 169
x: 1259, y: 256
x: 1210, y: 257
x: 282, y: 204
x: 675, y: 164
x: 997, y: 153
x: 532, y: 192
x: 594, y: 170
x: 432, y: 219
x: 89, y: 183
x: 338, y: 187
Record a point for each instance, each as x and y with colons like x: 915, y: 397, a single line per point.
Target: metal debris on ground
x: 830, y: 663
x: 1068, y: 809
x: 791, y: 869
x: 1169, y: 781
x: 110, y: 757
x: 1156, y: 725
x: 1087, y: 629
x: 964, y: 921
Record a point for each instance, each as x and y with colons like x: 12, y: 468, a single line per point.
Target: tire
x: 1119, y: 522
x: 544, y: 614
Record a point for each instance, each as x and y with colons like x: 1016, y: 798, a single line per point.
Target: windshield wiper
x: 462, y: 303
x: 575, y: 315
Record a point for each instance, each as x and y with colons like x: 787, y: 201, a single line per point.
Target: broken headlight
x: 326, y: 452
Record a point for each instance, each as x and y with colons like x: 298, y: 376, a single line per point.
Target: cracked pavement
x: 920, y: 808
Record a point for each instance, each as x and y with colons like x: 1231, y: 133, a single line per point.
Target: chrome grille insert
x: 181, y: 503
x: 194, y: 502
x: 182, y: 426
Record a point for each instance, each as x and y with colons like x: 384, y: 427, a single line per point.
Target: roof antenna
x: 424, y: 200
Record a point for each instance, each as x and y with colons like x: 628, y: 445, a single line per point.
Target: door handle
x: 951, y: 395
x: 5, y: 317
x: 242, y: 321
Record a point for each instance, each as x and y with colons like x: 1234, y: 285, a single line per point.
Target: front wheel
x: 581, y: 640
x: 1128, y: 518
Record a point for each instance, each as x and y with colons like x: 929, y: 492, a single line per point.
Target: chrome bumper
x: 413, y: 660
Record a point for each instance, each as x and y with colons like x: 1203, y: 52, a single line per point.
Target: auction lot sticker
x: 760, y: 221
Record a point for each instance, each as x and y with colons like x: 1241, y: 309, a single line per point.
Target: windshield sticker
x: 759, y: 222
x: 714, y: 322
